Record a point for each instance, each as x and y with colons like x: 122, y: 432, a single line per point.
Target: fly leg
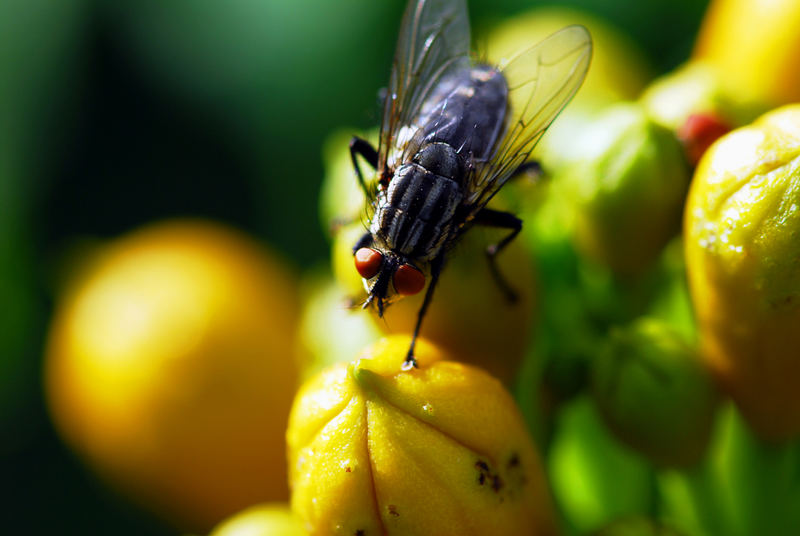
x: 364, y: 242
x: 504, y: 220
x: 360, y: 146
x: 495, y: 218
x: 436, y: 269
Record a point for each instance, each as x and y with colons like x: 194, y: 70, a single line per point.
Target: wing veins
x: 541, y: 104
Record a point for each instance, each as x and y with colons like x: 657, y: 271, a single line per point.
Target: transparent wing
x: 541, y: 82
x: 433, y: 42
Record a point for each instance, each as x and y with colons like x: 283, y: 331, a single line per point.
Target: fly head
x: 387, y: 276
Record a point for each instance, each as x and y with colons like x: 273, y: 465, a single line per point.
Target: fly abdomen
x: 414, y: 215
x: 467, y: 111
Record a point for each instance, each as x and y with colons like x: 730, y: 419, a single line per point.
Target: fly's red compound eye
x: 408, y: 280
x: 368, y: 262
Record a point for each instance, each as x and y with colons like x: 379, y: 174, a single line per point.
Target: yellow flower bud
x: 742, y: 240
x: 441, y: 449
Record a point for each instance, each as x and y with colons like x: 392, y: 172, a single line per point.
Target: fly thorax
x: 441, y: 159
x: 415, y: 216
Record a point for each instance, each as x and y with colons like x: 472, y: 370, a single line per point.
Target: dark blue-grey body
x: 420, y: 210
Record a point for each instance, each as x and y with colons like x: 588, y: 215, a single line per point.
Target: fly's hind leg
x: 504, y: 220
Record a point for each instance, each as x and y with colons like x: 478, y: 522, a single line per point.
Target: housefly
x: 453, y: 132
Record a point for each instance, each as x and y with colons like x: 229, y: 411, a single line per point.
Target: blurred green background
x: 116, y: 113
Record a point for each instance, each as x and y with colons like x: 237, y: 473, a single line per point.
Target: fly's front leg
x: 436, y: 269
x: 504, y: 220
x: 364, y: 242
x: 360, y: 146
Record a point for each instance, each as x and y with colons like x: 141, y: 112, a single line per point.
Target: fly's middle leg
x: 504, y: 220
x: 360, y: 146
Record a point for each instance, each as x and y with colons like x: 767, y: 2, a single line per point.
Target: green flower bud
x: 628, y: 188
x: 654, y: 393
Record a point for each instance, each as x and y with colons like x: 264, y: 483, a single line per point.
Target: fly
x: 453, y: 132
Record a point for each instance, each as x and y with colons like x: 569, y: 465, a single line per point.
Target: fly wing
x: 433, y: 42
x: 541, y: 81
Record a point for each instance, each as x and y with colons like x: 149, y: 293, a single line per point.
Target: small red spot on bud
x: 408, y: 280
x: 698, y: 132
x: 368, y: 262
